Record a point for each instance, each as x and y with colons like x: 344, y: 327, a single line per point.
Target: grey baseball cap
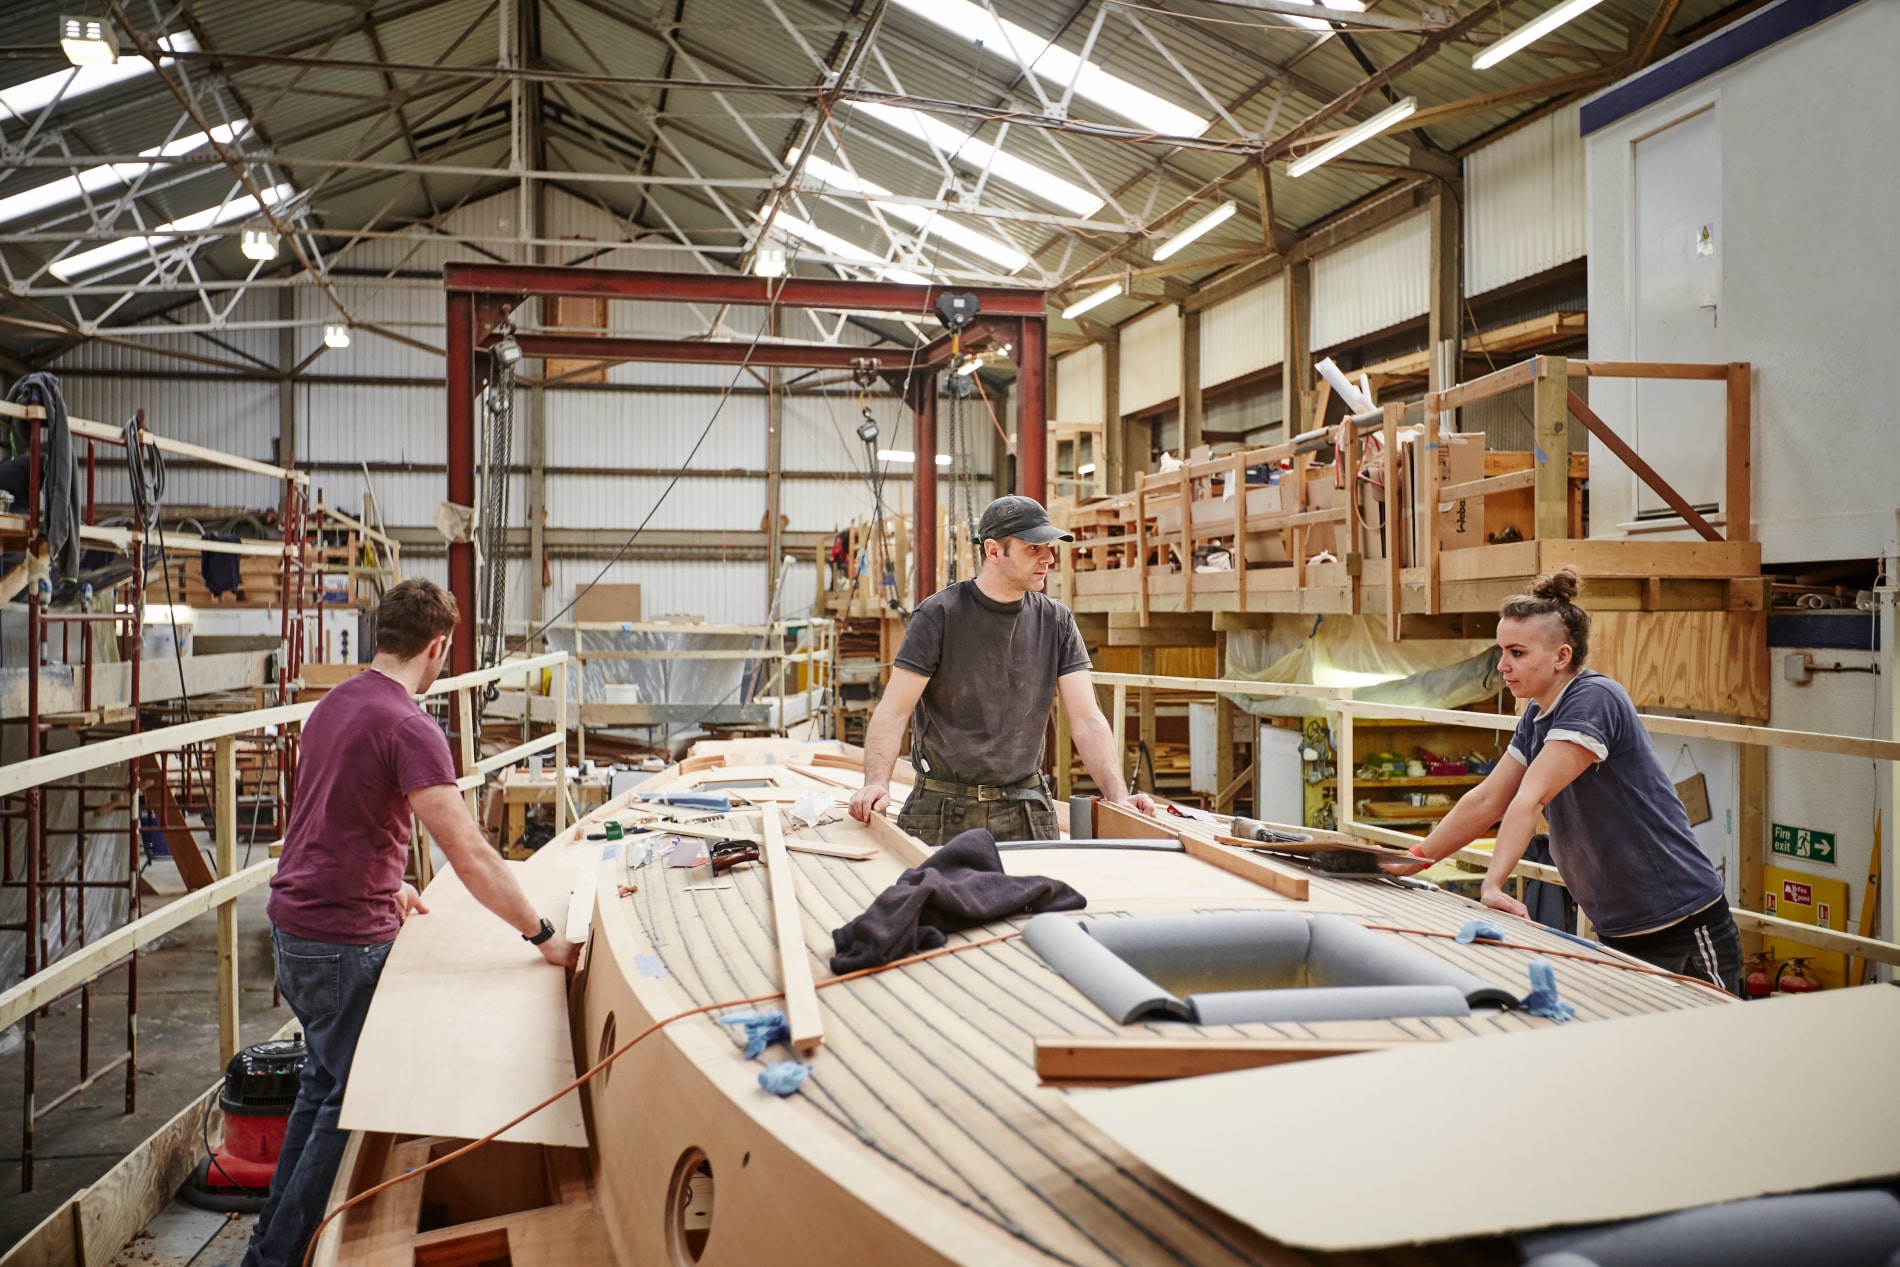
x: 1019, y: 517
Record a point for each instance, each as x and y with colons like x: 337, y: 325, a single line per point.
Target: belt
x: 1029, y: 789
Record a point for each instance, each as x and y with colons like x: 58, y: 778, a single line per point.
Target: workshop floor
x: 178, y: 1059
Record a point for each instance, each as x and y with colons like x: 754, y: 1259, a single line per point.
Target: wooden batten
x: 1107, y: 1062
x: 795, y: 979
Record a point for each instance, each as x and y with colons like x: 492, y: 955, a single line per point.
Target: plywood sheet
x: 469, y: 1025
x: 1712, y: 662
x: 1282, y: 1148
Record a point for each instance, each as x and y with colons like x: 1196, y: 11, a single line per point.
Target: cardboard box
x: 608, y: 603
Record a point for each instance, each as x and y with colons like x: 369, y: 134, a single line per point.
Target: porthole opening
x: 689, y: 1207
x: 609, y: 1039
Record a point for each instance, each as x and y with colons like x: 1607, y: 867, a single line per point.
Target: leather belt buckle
x: 985, y: 793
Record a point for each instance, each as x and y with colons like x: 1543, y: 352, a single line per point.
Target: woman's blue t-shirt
x: 1618, y: 833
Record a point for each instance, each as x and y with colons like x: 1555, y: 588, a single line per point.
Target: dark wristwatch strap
x: 547, y: 931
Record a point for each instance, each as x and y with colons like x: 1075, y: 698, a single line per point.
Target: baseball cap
x: 1019, y: 517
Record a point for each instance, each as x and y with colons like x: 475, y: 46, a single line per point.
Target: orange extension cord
x: 617, y: 1053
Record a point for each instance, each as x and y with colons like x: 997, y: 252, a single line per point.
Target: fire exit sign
x: 1803, y: 842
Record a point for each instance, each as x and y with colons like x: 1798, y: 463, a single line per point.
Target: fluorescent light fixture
x: 259, y: 244
x: 1536, y: 29
x: 831, y: 244
x: 1096, y: 300
x: 1346, y: 140
x: 45, y: 197
x: 974, y: 153
x: 1218, y: 215
x: 1321, y: 24
x: 1085, y: 470
x: 166, y: 234
x: 67, y: 86
x: 930, y: 222
x: 896, y: 455
x: 770, y: 263
x: 336, y: 336
x: 970, y: 366
x: 1058, y: 66
x: 165, y: 614
x: 88, y: 41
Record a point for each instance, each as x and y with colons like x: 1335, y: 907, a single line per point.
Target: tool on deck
x: 727, y: 854
x: 1336, y: 858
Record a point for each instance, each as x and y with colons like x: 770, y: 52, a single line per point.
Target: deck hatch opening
x: 1235, y: 967
x: 502, y: 1178
x: 689, y: 1207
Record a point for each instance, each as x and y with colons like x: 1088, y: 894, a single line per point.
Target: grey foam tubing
x: 1346, y: 953
x: 1858, y: 1228
x: 1092, y: 968
x: 1220, y: 950
x: 1339, y: 1003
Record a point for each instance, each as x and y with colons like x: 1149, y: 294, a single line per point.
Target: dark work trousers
x: 1704, y: 945
x: 934, y: 817
x: 328, y: 988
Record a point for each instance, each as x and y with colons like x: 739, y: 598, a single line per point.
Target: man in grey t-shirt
x: 981, y: 663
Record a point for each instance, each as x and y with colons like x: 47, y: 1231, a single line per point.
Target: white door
x: 1677, y: 293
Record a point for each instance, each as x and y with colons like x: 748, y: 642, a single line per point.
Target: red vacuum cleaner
x: 260, y: 1088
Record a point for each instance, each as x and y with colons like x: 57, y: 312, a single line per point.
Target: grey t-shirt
x: 992, y: 668
x: 1618, y: 833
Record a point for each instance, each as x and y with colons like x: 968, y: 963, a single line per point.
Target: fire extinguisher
x: 1758, y: 985
x: 1792, y: 978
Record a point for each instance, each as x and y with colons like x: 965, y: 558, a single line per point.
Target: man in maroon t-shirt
x: 368, y: 756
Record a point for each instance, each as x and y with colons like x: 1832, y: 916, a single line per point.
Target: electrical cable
x: 317, y: 1233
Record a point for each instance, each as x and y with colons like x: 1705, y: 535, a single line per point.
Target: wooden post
x: 1119, y: 725
x: 1296, y: 539
x: 1141, y: 546
x: 1343, y: 761
x: 1296, y: 361
x: 1186, y: 487
x: 1751, y: 833
x: 1239, y: 485
x: 1065, y: 753
x: 1445, y: 322
x: 1223, y: 734
x: 1394, y: 519
x: 1433, y: 446
x: 1118, y: 473
x: 1738, y: 494
x: 465, y: 715
x: 1190, y: 382
x: 1147, y: 731
x: 225, y: 793
x: 1550, y: 417
x: 560, y: 749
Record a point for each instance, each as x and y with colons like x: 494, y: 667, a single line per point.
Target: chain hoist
x: 957, y: 311
x: 497, y: 446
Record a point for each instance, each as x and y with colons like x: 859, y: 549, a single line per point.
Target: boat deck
x: 928, y: 1072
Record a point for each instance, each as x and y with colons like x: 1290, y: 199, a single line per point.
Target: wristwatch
x: 547, y: 931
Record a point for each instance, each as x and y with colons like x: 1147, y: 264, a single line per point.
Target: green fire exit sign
x: 1803, y: 842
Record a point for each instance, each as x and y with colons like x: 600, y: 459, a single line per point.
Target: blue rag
x: 1477, y: 928
x: 1543, y: 1000
x: 783, y: 1077
x: 762, y: 1029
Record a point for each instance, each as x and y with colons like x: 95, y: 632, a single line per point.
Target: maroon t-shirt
x: 366, y: 746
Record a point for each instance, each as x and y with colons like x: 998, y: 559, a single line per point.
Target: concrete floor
x: 178, y: 1057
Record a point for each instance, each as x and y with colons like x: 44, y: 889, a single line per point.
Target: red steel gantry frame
x: 481, y: 297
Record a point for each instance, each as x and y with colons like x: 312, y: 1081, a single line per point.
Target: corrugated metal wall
x: 1524, y: 203
x: 1151, y: 359
x: 1376, y: 281
x: 1244, y: 334
x: 1081, y: 395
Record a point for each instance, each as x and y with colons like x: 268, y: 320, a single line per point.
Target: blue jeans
x: 328, y: 988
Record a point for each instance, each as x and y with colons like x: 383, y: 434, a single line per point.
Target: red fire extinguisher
x: 1792, y: 978
x: 1758, y: 984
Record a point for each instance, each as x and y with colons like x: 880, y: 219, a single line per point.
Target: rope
x: 310, y: 1250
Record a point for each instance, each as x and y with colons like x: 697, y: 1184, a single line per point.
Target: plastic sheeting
x: 1353, y: 651
x: 704, y: 684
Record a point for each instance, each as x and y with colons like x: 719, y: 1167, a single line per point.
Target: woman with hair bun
x: 1618, y: 831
